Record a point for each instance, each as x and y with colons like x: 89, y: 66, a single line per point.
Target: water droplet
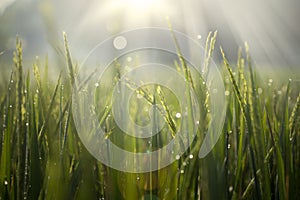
x: 138, y: 178
x: 37, y: 91
x: 259, y: 90
x: 5, y: 183
x: 184, y: 163
x: 27, y: 124
x: 10, y: 106
x: 230, y: 189
x: 228, y: 146
x: 191, y: 156
x: 227, y: 93
x: 120, y: 42
x: 182, y: 171
x: 197, y: 122
x: 177, y: 157
x: 96, y: 84
x: 199, y: 37
x: 25, y: 91
x: 270, y: 80
x: 129, y: 59
x: 12, y: 81
x: 279, y: 92
x: 178, y: 115
x: 227, y: 80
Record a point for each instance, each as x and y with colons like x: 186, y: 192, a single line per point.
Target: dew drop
x: 129, y: 59
x: 27, y: 124
x: 227, y: 80
x: 228, y: 146
x: 96, y: 84
x: 182, y: 171
x: 5, y: 183
x: 259, y: 90
x: 227, y: 93
x: 177, y: 157
x: 191, y: 156
x: 199, y: 37
x: 178, y: 115
x: 279, y: 92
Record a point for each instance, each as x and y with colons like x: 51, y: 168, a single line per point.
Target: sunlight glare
x: 140, y: 5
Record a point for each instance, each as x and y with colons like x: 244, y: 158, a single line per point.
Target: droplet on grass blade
x: 178, y: 115
x: 129, y: 59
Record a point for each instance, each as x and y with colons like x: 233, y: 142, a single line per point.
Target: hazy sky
x: 269, y: 26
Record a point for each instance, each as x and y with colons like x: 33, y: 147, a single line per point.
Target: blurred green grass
x: 257, y: 156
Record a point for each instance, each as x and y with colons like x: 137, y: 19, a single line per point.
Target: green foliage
x: 257, y: 156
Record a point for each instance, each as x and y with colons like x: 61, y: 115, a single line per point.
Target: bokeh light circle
x: 157, y: 48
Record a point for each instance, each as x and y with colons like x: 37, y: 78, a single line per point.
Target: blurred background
x: 271, y: 27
